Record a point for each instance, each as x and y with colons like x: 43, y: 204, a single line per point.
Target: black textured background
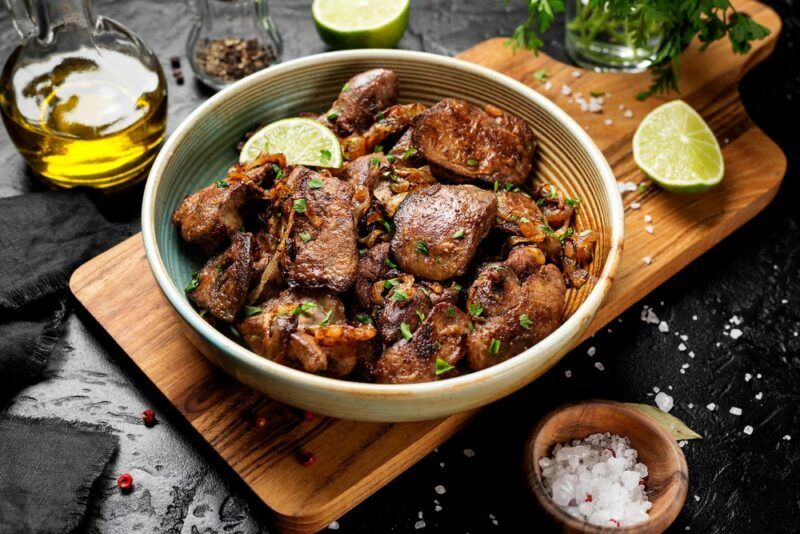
x: 738, y: 483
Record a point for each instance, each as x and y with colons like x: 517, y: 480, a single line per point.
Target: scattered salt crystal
x: 697, y: 498
x: 596, y: 104
x: 597, y: 479
x: 787, y: 437
x: 647, y: 260
x: 648, y: 315
x: 663, y: 326
x: 548, y: 85
x: 682, y: 371
x: 711, y: 406
x: 440, y: 489
x: 758, y: 375
x: 735, y: 333
x: 608, y: 122
x: 592, y: 351
x: 566, y: 90
x: 576, y: 74
x: 748, y: 430
x: 726, y: 141
x: 735, y: 320
x: 419, y: 514
x: 748, y: 377
x: 419, y: 524
x: 664, y: 402
x: 469, y: 453
x: 684, y: 337
x: 568, y: 373
x: 735, y: 411
x: 685, y: 366
x: 441, y: 464
x: 648, y: 218
x: 438, y: 508
x: 656, y: 389
x: 628, y: 114
x: 649, y: 229
x: 694, y: 317
x: 691, y: 354
x: 334, y: 525
x: 599, y: 366
x: 784, y: 301
x: 682, y: 347
x: 691, y: 405
x: 635, y: 205
x: 682, y: 443
x: 759, y: 395
x: 624, y: 187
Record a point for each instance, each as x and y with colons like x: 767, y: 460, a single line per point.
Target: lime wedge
x: 361, y: 23
x: 678, y: 150
x: 302, y: 141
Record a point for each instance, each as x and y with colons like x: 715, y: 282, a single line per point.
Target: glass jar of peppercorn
x: 232, y: 39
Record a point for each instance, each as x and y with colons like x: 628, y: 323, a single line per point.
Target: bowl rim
x: 547, y: 347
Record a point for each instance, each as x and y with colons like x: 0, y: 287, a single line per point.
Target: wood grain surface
x: 355, y: 459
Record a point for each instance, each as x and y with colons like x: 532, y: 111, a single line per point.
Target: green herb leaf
x: 422, y: 248
x: 574, y: 202
x: 450, y: 312
x: 381, y: 117
x: 642, y: 188
x: 472, y: 162
x: 459, y: 234
x: 399, y: 296
x: 299, y: 205
x: 597, y: 94
x: 552, y: 191
x: 277, y: 171
x: 471, y: 327
x: 305, y: 236
x: 457, y: 286
x: 303, y: 307
x: 316, y: 183
x: 442, y: 366
x: 332, y: 116
x: 324, y: 156
x: 192, y: 284
x: 525, y: 322
x: 494, y: 346
x: 249, y: 311
x: 222, y: 184
x: 345, y: 87
x: 325, y: 320
x: 363, y: 319
x: 420, y: 315
x: 475, y: 309
x: 386, y: 226
x: 410, y: 152
x: 496, y: 186
x: 390, y: 283
x: 375, y: 162
x: 585, y: 233
x: 378, y: 149
x: 390, y: 158
x: 541, y: 75
x: 509, y: 186
x: 405, y: 330
x: 390, y: 264
x: 672, y: 424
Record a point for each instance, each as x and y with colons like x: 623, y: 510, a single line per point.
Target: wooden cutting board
x: 355, y: 459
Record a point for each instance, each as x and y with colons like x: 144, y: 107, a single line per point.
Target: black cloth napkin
x: 47, y: 466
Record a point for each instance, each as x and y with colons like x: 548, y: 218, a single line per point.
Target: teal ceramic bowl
x: 202, y: 148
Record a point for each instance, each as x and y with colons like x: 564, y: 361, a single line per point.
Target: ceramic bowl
x: 202, y: 149
x: 668, y: 475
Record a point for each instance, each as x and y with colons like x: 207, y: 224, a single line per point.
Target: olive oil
x: 92, y: 116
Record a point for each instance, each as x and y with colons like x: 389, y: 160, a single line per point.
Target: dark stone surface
x: 737, y: 482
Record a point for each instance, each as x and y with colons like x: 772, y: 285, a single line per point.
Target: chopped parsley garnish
x: 585, y: 233
x: 390, y: 158
x: 496, y: 186
x: 459, y: 234
x: 552, y: 191
x: 192, y: 284
x: 539, y: 201
x: 410, y: 152
x: 574, y: 202
x: 471, y: 327
x: 345, y: 87
x: 363, y: 319
x: 472, y: 162
x: 327, y: 318
x: 324, y: 155
x: 548, y: 231
x: 202, y: 313
x: 524, y: 220
x: 278, y: 171
x: 375, y: 162
x: 597, y: 93
x: 332, y: 116
x: 405, y: 330
x: 450, y: 312
x: 390, y: 283
x: 569, y: 232
x: 316, y: 183
x: 541, y: 75
x: 457, y: 286
x: 305, y: 236
x: 425, y: 292
x: 250, y: 311
x: 378, y: 149
x: 386, y: 226
x: 525, y: 322
x: 299, y: 205
x: 304, y: 307
x: 381, y: 118
x: 222, y: 184
x: 399, y: 296
x: 642, y: 188
x: 442, y: 366
x: 390, y: 264
x: 420, y: 315
x: 509, y: 186
x: 475, y: 309
x: 494, y: 346
x: 422, y: 248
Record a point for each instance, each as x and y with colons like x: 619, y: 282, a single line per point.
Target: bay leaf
x: 672, y: 424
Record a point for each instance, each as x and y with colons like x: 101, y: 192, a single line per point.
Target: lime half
x: 361, y: 23
x: 678, y: 150
x: 302, y: 141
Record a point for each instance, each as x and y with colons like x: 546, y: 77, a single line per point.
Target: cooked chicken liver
x: 360, y: 100
x: 442, y: 335
x: 224, y: 279
x: 321, y: 246
x: 439, y: 228
x: 463, y: 143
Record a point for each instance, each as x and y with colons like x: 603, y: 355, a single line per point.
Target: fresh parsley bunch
x: 677, y: 23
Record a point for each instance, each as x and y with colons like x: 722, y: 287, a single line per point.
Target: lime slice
x: 302, y: 141
x: 678, y: 150
x: 361, y: 23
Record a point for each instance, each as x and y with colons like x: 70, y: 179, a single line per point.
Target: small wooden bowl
x: 668, y: 476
